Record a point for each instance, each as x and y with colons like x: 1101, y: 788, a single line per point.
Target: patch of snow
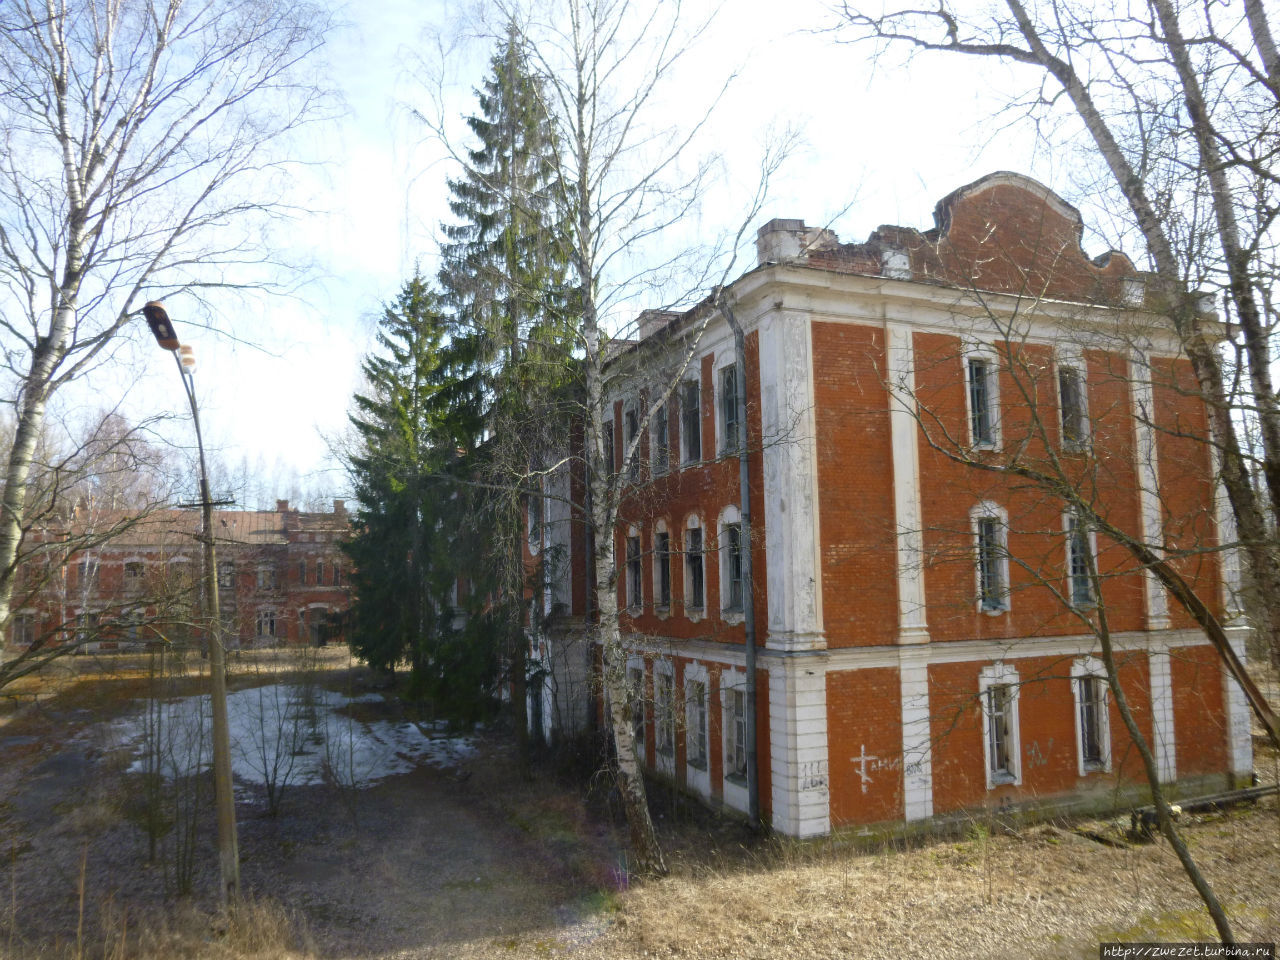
x: 287, y: 734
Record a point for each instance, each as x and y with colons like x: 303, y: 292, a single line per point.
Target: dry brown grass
x: 257, y: 930
x: 1041, y: 892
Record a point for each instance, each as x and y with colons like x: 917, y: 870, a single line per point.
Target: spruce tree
x: 411, y: 539
x: 504, y: 275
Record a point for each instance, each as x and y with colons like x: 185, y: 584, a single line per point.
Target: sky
x: 882, y: 142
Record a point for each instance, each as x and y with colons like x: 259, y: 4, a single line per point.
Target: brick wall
x: 855, y: 483
x: 864, y: 730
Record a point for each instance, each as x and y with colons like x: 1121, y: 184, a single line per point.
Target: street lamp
x: 224, y: 800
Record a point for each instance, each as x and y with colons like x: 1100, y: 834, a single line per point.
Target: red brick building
x: 923, y: 621
x: 281, y: 578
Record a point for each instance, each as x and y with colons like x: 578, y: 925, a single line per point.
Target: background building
x: 281, y: 579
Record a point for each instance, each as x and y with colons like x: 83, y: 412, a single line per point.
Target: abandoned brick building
x: 280, y: 579
x: 924, y: 634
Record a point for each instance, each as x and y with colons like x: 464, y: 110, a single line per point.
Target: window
x: 302, y: 572
x: 998, y: 690
x: 731, y: 437
x: 635, y: 687
x: 1092, y: 726
x: 662, y: 563
x: 735, y: 729
x: 732, y: 566
x: 999, y: 706
x: 1079, y: 555
x: 87, y: 574
x: 694, y: 592
x: 691, y: 421
x: 23, y: 629
x: 634, y: 597
x: 226, y: 573
x: 631, y: 420
x: 337, y: 575
x: 133, y: 572
x: 990, y: 531
x: 664, y: 719
x: 131, y: 626
x: 982, y: 401
x: 86, y: 627
x: 1071, y: 402
x: 661, y: 441
x: 696, y: 723
x: 266, y: 623
x: 266, y: 578
x: 610, y: 461
x: 315, y: 621
x: 319, y: 572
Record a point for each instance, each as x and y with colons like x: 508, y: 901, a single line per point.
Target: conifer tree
x: 410, y: 542
x: 503, y: 274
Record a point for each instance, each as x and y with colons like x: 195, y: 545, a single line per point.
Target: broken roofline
x: 977, y: 246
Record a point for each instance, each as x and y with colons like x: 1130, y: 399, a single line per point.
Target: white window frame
x: 986, y: 510
x: 660, y: 446
x: 988, y: 355
x: 664, y: 715
x: 634, y: 589
x: 729, y: 517
x: 88, y: 627
x: 636, y: 707
x: 726, y: 446
x: 266, y: 577
x: 130, y: 624
x: 732, y: 682
x: 1073, y: 362
x: 30, y: 620
x: 693, y: 522
x: 1091, y: 668
x: 1001, y: 674
x: 1069, y: 519
x: 608, y: 443
x: 661, y: 607
x: 141, y: 567
x: 274, y: 616
x: 631, y: 430
x: 697, y: 730
x: 686, y: 453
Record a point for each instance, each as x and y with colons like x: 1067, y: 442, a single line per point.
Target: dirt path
x: 426, y: 867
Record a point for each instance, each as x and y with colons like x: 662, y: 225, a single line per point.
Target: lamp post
x: 228, y: 852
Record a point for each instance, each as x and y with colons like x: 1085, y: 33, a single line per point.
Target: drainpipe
x: 748, y: 582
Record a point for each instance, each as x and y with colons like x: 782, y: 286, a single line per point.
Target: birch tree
x: 623, y: 179
x: 1180, y: 105
x: 143, y: 142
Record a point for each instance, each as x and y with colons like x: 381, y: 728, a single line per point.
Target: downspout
x: 748, y: 581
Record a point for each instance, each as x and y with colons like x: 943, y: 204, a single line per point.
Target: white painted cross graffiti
x: 868, y: 764
x: 864, y: 762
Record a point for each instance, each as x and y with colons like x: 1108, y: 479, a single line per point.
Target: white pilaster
x: 1225, y: 522
x: 1165, y: 747
x: 1239, y: 717
x: 903, y: 429
x: 1148, y: 485
x: 798, y: 747
x: 792, y: 541
x: 917, y: 749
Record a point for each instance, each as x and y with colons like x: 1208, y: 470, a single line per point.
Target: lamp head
x: 161, y: 326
